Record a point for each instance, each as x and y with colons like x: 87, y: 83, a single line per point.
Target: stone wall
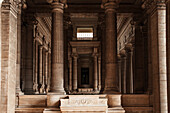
x: 0, y: 52
x: 8, y: 58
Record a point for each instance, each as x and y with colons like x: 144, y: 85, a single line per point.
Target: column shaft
x: 111, y: 49
x: 95, y: 73
x: 123, y: 70
x: 35, y: 66
x: 119, y: 72
x: 18, y: 64
x: 46, y: 70
x: 168, y: 48
x: 49, y: 71
x: 41, y: 68
x: 29, y: 58
x: 99, y: 73
x: 131, y: 71
x: 70, y: 74
x: 57, y: 82
x: 74, y: 73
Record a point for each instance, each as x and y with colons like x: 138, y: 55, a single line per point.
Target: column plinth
x: 111, y: 85
x: 57, y: 49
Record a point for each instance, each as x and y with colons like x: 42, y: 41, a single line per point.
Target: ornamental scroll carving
x: 84, y: 102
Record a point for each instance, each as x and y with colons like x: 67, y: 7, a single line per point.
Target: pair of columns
x: 73, y: 73
x: 125, y: 70
x: 41, y: 86
x: 111, y: 85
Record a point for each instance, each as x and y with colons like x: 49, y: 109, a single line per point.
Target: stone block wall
x: 8, y: 58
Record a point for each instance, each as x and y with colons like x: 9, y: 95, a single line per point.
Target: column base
x: 29, y: 91
x: 111, y: 91
x: 58, y: 92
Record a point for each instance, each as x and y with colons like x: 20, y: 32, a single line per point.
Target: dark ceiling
x: 86, y: 6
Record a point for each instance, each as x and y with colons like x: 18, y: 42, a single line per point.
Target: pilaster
x: 157, y: 13
x: 8, y: 56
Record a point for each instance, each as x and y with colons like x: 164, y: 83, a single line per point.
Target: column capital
x: 123, y: 53
x: 129, y: 47
x: 110, y: 5
x: 58, y: 5
x: 119, y: 57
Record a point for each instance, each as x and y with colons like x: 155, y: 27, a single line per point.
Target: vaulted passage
x: 84, y: 56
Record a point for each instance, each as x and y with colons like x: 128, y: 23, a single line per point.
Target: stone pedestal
x: 84, y: 104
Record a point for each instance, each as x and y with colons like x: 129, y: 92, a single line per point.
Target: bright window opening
x: 84, y: 33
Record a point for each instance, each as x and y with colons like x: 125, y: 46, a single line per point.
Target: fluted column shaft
x: 95, y: 73
x: 57, y: 82
x: 111, y: 49
x: 74, y: 73
x: 70, y: 74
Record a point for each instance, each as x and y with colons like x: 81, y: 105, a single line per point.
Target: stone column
x: 70, y: 74
x: 130, y: 52
x: 168, y: 48
x: 95, y: 72
x: 99, y: 73
x: 123, y: 70
x: 18, y: 65
x: 119, y: 72
x: 57, y: 49
x: 46, y: 70
x: 29, y: 55
x: 111, y: 48
x: 41, y: 68
x: 75, y: 72
x: 159, y: 61
x: 36, y: 68
x: 49, y: 70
